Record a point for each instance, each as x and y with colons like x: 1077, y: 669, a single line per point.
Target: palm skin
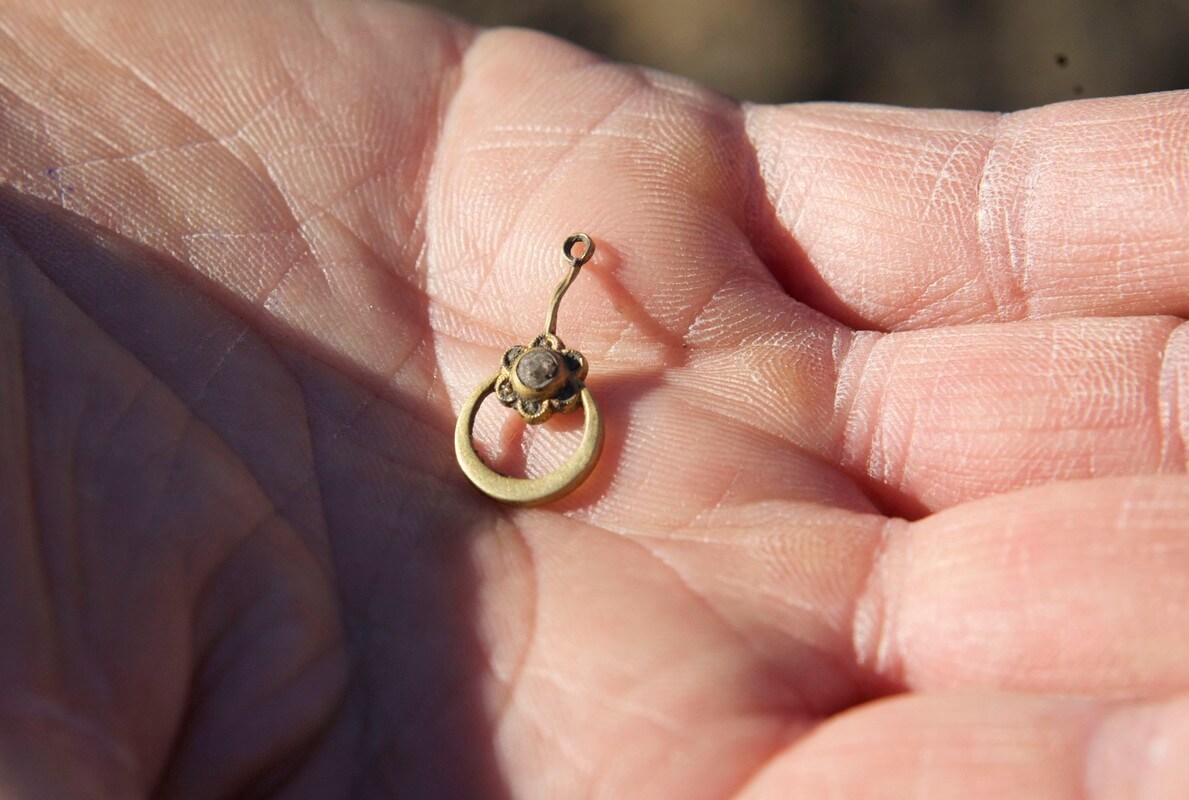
x: 254, y: 258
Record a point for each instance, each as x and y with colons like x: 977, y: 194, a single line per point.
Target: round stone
x: 537, y: 368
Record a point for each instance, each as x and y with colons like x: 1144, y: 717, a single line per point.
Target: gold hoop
x: 527, y: 491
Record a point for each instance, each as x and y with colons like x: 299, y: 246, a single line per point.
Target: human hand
x: 254, y: 257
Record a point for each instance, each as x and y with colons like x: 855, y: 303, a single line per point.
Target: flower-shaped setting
x: 541, y: 379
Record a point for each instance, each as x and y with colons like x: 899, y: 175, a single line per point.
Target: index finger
x: 918, y: 218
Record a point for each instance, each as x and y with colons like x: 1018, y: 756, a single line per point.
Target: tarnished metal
x: 538, y: 380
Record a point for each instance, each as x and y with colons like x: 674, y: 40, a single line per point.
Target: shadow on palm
x: 368, y: 522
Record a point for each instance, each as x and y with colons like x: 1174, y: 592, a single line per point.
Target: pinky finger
x: 991, y: 745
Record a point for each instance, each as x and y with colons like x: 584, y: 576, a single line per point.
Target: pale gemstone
x: 537, y: 368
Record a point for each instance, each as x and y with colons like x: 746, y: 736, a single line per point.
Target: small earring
x: 538, y: 380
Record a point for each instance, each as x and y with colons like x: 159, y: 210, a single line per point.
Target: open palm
x: 896, y: 408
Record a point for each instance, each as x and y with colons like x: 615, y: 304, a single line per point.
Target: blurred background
x: 986, y: 54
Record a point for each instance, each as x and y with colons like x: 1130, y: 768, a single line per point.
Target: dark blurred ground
x: 989, y: 54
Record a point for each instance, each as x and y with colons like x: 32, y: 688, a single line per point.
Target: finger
x: 988, y: 746
x: 948, y: 415
x: 911, y: 219
x: 1079, y: 587
x: 928, y: 419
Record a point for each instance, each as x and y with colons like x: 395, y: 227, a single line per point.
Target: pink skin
x: 893, y: 500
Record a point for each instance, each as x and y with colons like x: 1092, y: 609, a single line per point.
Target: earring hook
x: 574, y: 262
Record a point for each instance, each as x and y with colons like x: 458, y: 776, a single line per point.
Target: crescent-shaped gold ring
x: 527, y: 491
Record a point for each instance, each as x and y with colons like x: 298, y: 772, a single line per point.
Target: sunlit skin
x: 892, y: 503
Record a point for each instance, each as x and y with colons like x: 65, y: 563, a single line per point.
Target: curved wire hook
x: 574, y: 262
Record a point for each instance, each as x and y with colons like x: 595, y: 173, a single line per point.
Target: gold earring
x: 538, y: 380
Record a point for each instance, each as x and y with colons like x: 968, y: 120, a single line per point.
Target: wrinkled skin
x: 893, y: 500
